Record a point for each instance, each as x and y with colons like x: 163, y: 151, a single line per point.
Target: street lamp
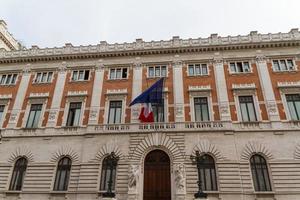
x: 112, y: 161
x: 197, y: 160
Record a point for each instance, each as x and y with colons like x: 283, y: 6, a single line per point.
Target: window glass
x: 276, y: 65
x: 118, y: 74
x: 75, y: 75
x: 49, y: 79
x: 62, y: 174
x: 293, y: 101
x: 283, y: 65
x: 158, y: 112
x: 260, y: 173
x: 34, y: 115
x: 8, y: 79
x: 201, y: 109
x: 191, y: 70
x: 1, y: 111
x: 157, y: 71
x: 151, y: 72
x: 163, y: 71
x: 112, y: 74
x: 81, y: 75
x: 204, y: 69
x: 18, y: 174
x: 208, y: 173
x: 124, y: 73
x: 115, y: 112
x: 197, y: 69
x: 290, y: 64
x: 246, y: 67
x: 86, y: 75
x: 3, y: 77
x: 107, y: 172
x: 247, y: 108
x: 239, y: 67
x: 232, y: 67
x: 74, y: 114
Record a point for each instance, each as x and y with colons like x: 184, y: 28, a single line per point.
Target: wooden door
x: 157, y: 180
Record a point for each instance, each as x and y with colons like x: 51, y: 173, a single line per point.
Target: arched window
x: 62, y: 174
x: 108, y: 174
x: 208, y: 173
x: 18, y: 174
x: 260, y: 173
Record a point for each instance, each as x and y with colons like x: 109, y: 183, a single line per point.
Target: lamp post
x: 112, y: 160
x: 197, y: 160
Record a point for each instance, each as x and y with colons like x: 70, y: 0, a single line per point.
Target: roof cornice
x: 140, y: 47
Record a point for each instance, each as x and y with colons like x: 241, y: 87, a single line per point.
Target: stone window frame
x: 201, y: 93
x: 285, y: 59
x: 34, y: 81
x: 5, y: 101
x: 118, y: 67
x: 115, y: 97
x: 247, y: 92
x: 284, y: 91
x: 35, y: 100
x: 84, y: 69
x: 74, y: 99
x: 157, y: 65
x: 242, y: 61
x: 6, y: 74
x: 196, y: 75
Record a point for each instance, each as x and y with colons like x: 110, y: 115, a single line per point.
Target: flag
x: 153, y: 94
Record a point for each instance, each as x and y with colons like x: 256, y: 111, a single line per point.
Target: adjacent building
x: 67, y: 131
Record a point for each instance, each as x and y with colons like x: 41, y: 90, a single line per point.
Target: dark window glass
x: 208, y: 173
x: 290, y: 64
x: 124, y: 73
x: 204, y: 69
x: 50, y: 74
x: 115, y: 112
x: 1, y: 111
x: 14, y: 79
x: 151, y: 72
x: 276, y: 65
x: 74, y: 114
x: 191, y: 70
x: 293, y: 101
x: 86, y: 75
x: 75, y: 76
x: 62, y: 174
x: 246, y: 67
x: 239, y: 67
x: 260, y: 173
x: 283, y: 65
x: 247, y: 108
x: 163, y: 71
x: 112, y: 74
x: 34, y: 116
x: 158, y: 112
x: 201, y: 109
x: 107, y: 171
x: 3, y: 77
x: 18, y: 174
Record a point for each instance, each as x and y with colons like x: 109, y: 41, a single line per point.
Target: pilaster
x: 57, y: 96
x: 178, y: 90
x: 222, y: 94
x: 136, y: 88
x: 17, y: 108
x: 267, y: 88
x: 97, y: 91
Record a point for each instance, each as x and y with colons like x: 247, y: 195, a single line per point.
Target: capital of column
x: 177, y: 62
x: 63, y: 67
x: 218, y: 60
x: 99, y: 66
x: 261, y: 59
x: 26, y: 69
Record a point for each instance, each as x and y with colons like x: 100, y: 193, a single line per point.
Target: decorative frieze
x: 116, y: 91
x: 77, y: 93
x: 5, y: 96
x: 289, y: 84
x: 199, y: 88
x: 243, y: 86
x: 39, y: 95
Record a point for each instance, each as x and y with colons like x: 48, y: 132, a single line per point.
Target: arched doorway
x: 157, y: 180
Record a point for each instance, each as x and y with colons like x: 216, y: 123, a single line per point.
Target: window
x: 108, y: 171
x: 293, y: 101
x: 158, y: 112
x: 8, y: 79
x: 74, y: 114
x: 201, y: 109
x: 43, y: 77
x: 208, y: 173
x: 118, y: 73
x: 157, y: 71
x: 198, y: 69
x: 1, y: 112
x: 62, y: 174
x: 18, y: 174
x: 260, y: 173
x: 247, y: 108
x: 80, y: 75
x: 240, y: 67
x: 283, y: 65
x: 115, y: 112
x: 34, y: 116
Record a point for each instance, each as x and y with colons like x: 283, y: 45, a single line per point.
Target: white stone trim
x: 209, y: 102
x: 74, y: 99
x: 284, y: 91
x: 31, y: 101
x: 109, y: 98
x: 5, y: 100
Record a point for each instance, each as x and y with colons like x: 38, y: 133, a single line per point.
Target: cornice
x: 140, y: 47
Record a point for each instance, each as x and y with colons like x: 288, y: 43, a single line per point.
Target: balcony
x: 217, y: 126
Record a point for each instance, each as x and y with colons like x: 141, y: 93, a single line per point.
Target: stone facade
x: 229, y: 140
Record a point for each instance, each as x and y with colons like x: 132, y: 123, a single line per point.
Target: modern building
x: 231, y: 118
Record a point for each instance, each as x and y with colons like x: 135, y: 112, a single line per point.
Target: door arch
x: 157, y: 176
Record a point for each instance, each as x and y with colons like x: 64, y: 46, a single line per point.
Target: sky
x: 50, y: 23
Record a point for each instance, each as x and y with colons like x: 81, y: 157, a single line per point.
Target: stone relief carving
x: 224, y: 108
x: 255, y: 146
x: 93, y: 114
x: 52, y: 115
x: 271, y: 107
x: 135, y: 112
x: 180, y: 177
x: 19, y: 152
x: 179, y: 110
x: 133, y: 176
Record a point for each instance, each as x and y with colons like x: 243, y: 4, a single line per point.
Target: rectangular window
x: 8, y: 79
x: 293, y: 101
x: 43, y: 77
x: 157, y: 71
x: 34, y: 116
x: 1, y: 112
x: 197, y: 69
x: 247, y: 108
x: 201, y: 109
x: 74, y: 114
x: 283, y: 65
x: 118, y: 73
x: 239, y: 67
x: 158, y: 112
x: 80, y: 75
x: 115, y: 112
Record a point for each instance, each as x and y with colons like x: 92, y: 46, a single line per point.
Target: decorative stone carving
x: 253, y: 147
x: 261, y: 58
x: 288, y: 84
x: 20, y: 152
x: 133, y: 177
x: 64, y: 151
x: 271, y: 107
x: 52, y: 115
x: 116, y: 91
x: 77, y: 93
x: 93, y: 114
x: 205, y: 146
x: 39, y: 95
x: 297, y: 152
x: 179, y: 110
x: 107, y: 149
x: 199, y: 88
x: 135, y: 112
x: 26, y: 69
x: 244, y: 86
x: 224, y: 108
x: 180, y: 177
x: 13, y: 117
x: 5, y: 96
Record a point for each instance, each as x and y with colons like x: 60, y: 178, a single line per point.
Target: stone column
x: 97, y: 91
x: 267, y: 88
x: 178, y: 90
x: 57, y: 95
x: 136, y: 89
x: 19, y: 100
x: 222, y: 94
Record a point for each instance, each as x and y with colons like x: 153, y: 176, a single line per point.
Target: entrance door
x: 157, y: 181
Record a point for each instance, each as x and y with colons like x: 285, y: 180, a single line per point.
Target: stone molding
x: 255, y: 147
x: 206, y: 147
x: 22, y: 151
x: 64, y: 151
x: 107, y: 149
x: 297, y: 152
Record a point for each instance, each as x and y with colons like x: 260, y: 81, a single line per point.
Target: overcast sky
x: 49, y: 23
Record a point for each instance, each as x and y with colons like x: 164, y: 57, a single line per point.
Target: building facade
x: 233, y: 101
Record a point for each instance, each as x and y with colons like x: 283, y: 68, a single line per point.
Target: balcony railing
x: 153, y: 127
